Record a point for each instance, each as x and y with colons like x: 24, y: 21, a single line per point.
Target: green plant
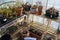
x: 44, y: 38
x: 18, y: 3
x: 0, y: 33
x: 12, y: 29
x: 14, y: 12
x: 9, y: 13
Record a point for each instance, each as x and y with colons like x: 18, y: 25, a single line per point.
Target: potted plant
x: 14, y: 11
x: 33, y: 9
x: 7, y: 12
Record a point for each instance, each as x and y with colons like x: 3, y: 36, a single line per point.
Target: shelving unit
x: 43, y: 26
x: 19, y: 19
x: 47, y: 19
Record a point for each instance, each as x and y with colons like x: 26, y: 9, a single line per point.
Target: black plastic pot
x: 3, y: 19
x: 27, y: 7
x: 51, y: 14
x: 6, y: 37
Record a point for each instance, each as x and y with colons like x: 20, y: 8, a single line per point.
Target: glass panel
x: 57, y: 5
x: 50, y: 3
x: 38, y: 19
x: 41, y: 20
x: 54, y: 3
x: 45, y: 21
x: 30, y: 1
x: 30, y: 17
x: 24, y: 1
x: 54, y: 24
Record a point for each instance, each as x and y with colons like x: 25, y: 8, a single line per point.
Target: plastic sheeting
x: 51, y: 3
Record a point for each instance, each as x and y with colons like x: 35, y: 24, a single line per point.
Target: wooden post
x: 46, y: 4
x: 48, y: 25
x: 33, y: 18
x: 45, y: 9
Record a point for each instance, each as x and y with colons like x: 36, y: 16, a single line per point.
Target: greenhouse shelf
x: 11, y: 22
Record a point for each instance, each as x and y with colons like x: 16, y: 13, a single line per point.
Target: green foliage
x: 9, y: 13
x: 10, y: 29
x: 44, y: 38
x: 18, y: 3
x: 0, y: 33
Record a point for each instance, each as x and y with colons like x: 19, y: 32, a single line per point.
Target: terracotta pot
x: 39, y: 10
x: 20, y: 10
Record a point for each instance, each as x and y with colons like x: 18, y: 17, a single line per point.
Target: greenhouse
x: 29, y: 20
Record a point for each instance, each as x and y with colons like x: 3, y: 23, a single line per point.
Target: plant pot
x: 20, y: 10
x: 33, y: 11
x: 40, y: 10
